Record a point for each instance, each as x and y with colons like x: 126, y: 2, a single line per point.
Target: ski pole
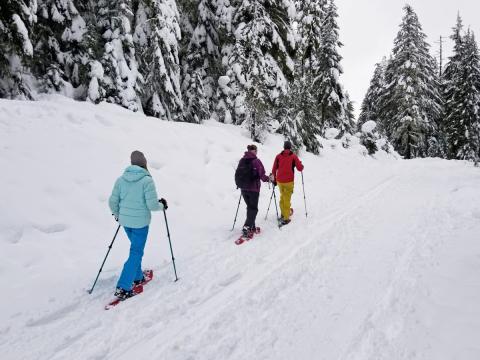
x: 103, y: 263
x: 236, y: 214
x: 170, y: 242
x: 270, y: 203
x: 276, y: 208
x: 304, y: 198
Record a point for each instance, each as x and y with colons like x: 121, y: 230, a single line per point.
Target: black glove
x: 272, y: 180
x: 115, y: 217
x: 164, y: 202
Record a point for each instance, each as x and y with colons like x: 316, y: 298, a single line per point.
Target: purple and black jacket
x: 258, y: 169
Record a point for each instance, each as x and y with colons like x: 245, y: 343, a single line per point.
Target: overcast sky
x: 368, y: 28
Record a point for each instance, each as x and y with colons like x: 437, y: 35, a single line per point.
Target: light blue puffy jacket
x: 134, y: 197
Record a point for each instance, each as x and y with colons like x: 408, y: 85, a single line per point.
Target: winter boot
x: 147, y: 276
x: 123, y: 294
x: 246, y: 232
x: 139, y: 282
x: 255, y: 230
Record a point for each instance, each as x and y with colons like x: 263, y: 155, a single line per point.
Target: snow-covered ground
x: 386, y: 266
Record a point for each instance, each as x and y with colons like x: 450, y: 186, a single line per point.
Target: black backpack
x: 245, y: 174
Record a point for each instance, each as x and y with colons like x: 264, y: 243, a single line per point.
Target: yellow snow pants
x: 286, y: 191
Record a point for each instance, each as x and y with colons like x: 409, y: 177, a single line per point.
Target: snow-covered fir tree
x: 299, y: 115
x: 333, y: 102
x: 201, y: 65
x: 259, y: 59
x: 237, y: 61
x: 188, y: 14
x: 196, y: 105
x: 369, y: 136
x: 93, y: 45
x: 462, y: 121
x: 449, y: 82
x: 224, y: 107
x: 157, y: 36
x: 120, y: 80
x: 17, y: 19
x: 298, y: 110
x: 411, y: 102
x: 349, y: 112
x: 225, y: 100
x: 370, y: 109
x: 310, y: 15
x: 58, y: 37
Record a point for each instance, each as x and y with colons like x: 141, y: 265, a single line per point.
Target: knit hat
x: 287, y: 145
x: 137, y: 158
x: 251, y: 147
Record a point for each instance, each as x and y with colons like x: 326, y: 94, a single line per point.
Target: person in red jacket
x: 283, y: 174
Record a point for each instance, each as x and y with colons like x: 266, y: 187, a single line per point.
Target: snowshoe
x: 247, y: 234
x: 282, y: 221
x: 147, y: 276
x: 122, y: 294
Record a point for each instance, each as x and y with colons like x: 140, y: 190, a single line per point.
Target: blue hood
x: 134, y: 173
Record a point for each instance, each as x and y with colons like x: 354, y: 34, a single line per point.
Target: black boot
x: 123, y: 294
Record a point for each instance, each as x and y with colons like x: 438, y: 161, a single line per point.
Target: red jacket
x: 284, y: 166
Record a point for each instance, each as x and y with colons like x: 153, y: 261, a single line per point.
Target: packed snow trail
x: 385, y: 267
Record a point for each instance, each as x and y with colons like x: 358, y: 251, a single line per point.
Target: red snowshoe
x: 136, y: 289
x: 247, y: 234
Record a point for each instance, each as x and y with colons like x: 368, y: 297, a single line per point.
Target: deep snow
x: 385, y: 267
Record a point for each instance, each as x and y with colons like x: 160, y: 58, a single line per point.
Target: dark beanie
x: 137, y: 158
x: 287, y: 145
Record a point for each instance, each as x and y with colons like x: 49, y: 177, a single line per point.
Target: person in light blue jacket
x: 133, y: 198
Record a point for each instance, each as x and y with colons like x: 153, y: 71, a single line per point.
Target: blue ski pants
x: 132, y: 270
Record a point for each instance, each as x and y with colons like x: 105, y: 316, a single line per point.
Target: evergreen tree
x: 201, y: 61
x: 333, y: 103
x: 370, y: 109
x: 17, y: 18
x: 451, y: 84
x: 298, y: 114
x: 120, y: 69
x: 93, y: 45
x: 197, y: 108
x: 369, y: 136
x: 462, y: 122
x: 58, y: 45
x: 311, y: 15
x: 411, y: 104
x: 188, y: 17
x: 224, y: 107
x: 225, y: 104
x: 259, y: 59
x: 349, y: 112
x: 157, y: 38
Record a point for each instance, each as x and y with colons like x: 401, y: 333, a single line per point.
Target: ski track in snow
x: 225, y: 296
x: 367, y: 276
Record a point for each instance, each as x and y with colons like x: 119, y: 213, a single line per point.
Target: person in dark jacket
x: 283, y: 174
x: 251, y: 190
